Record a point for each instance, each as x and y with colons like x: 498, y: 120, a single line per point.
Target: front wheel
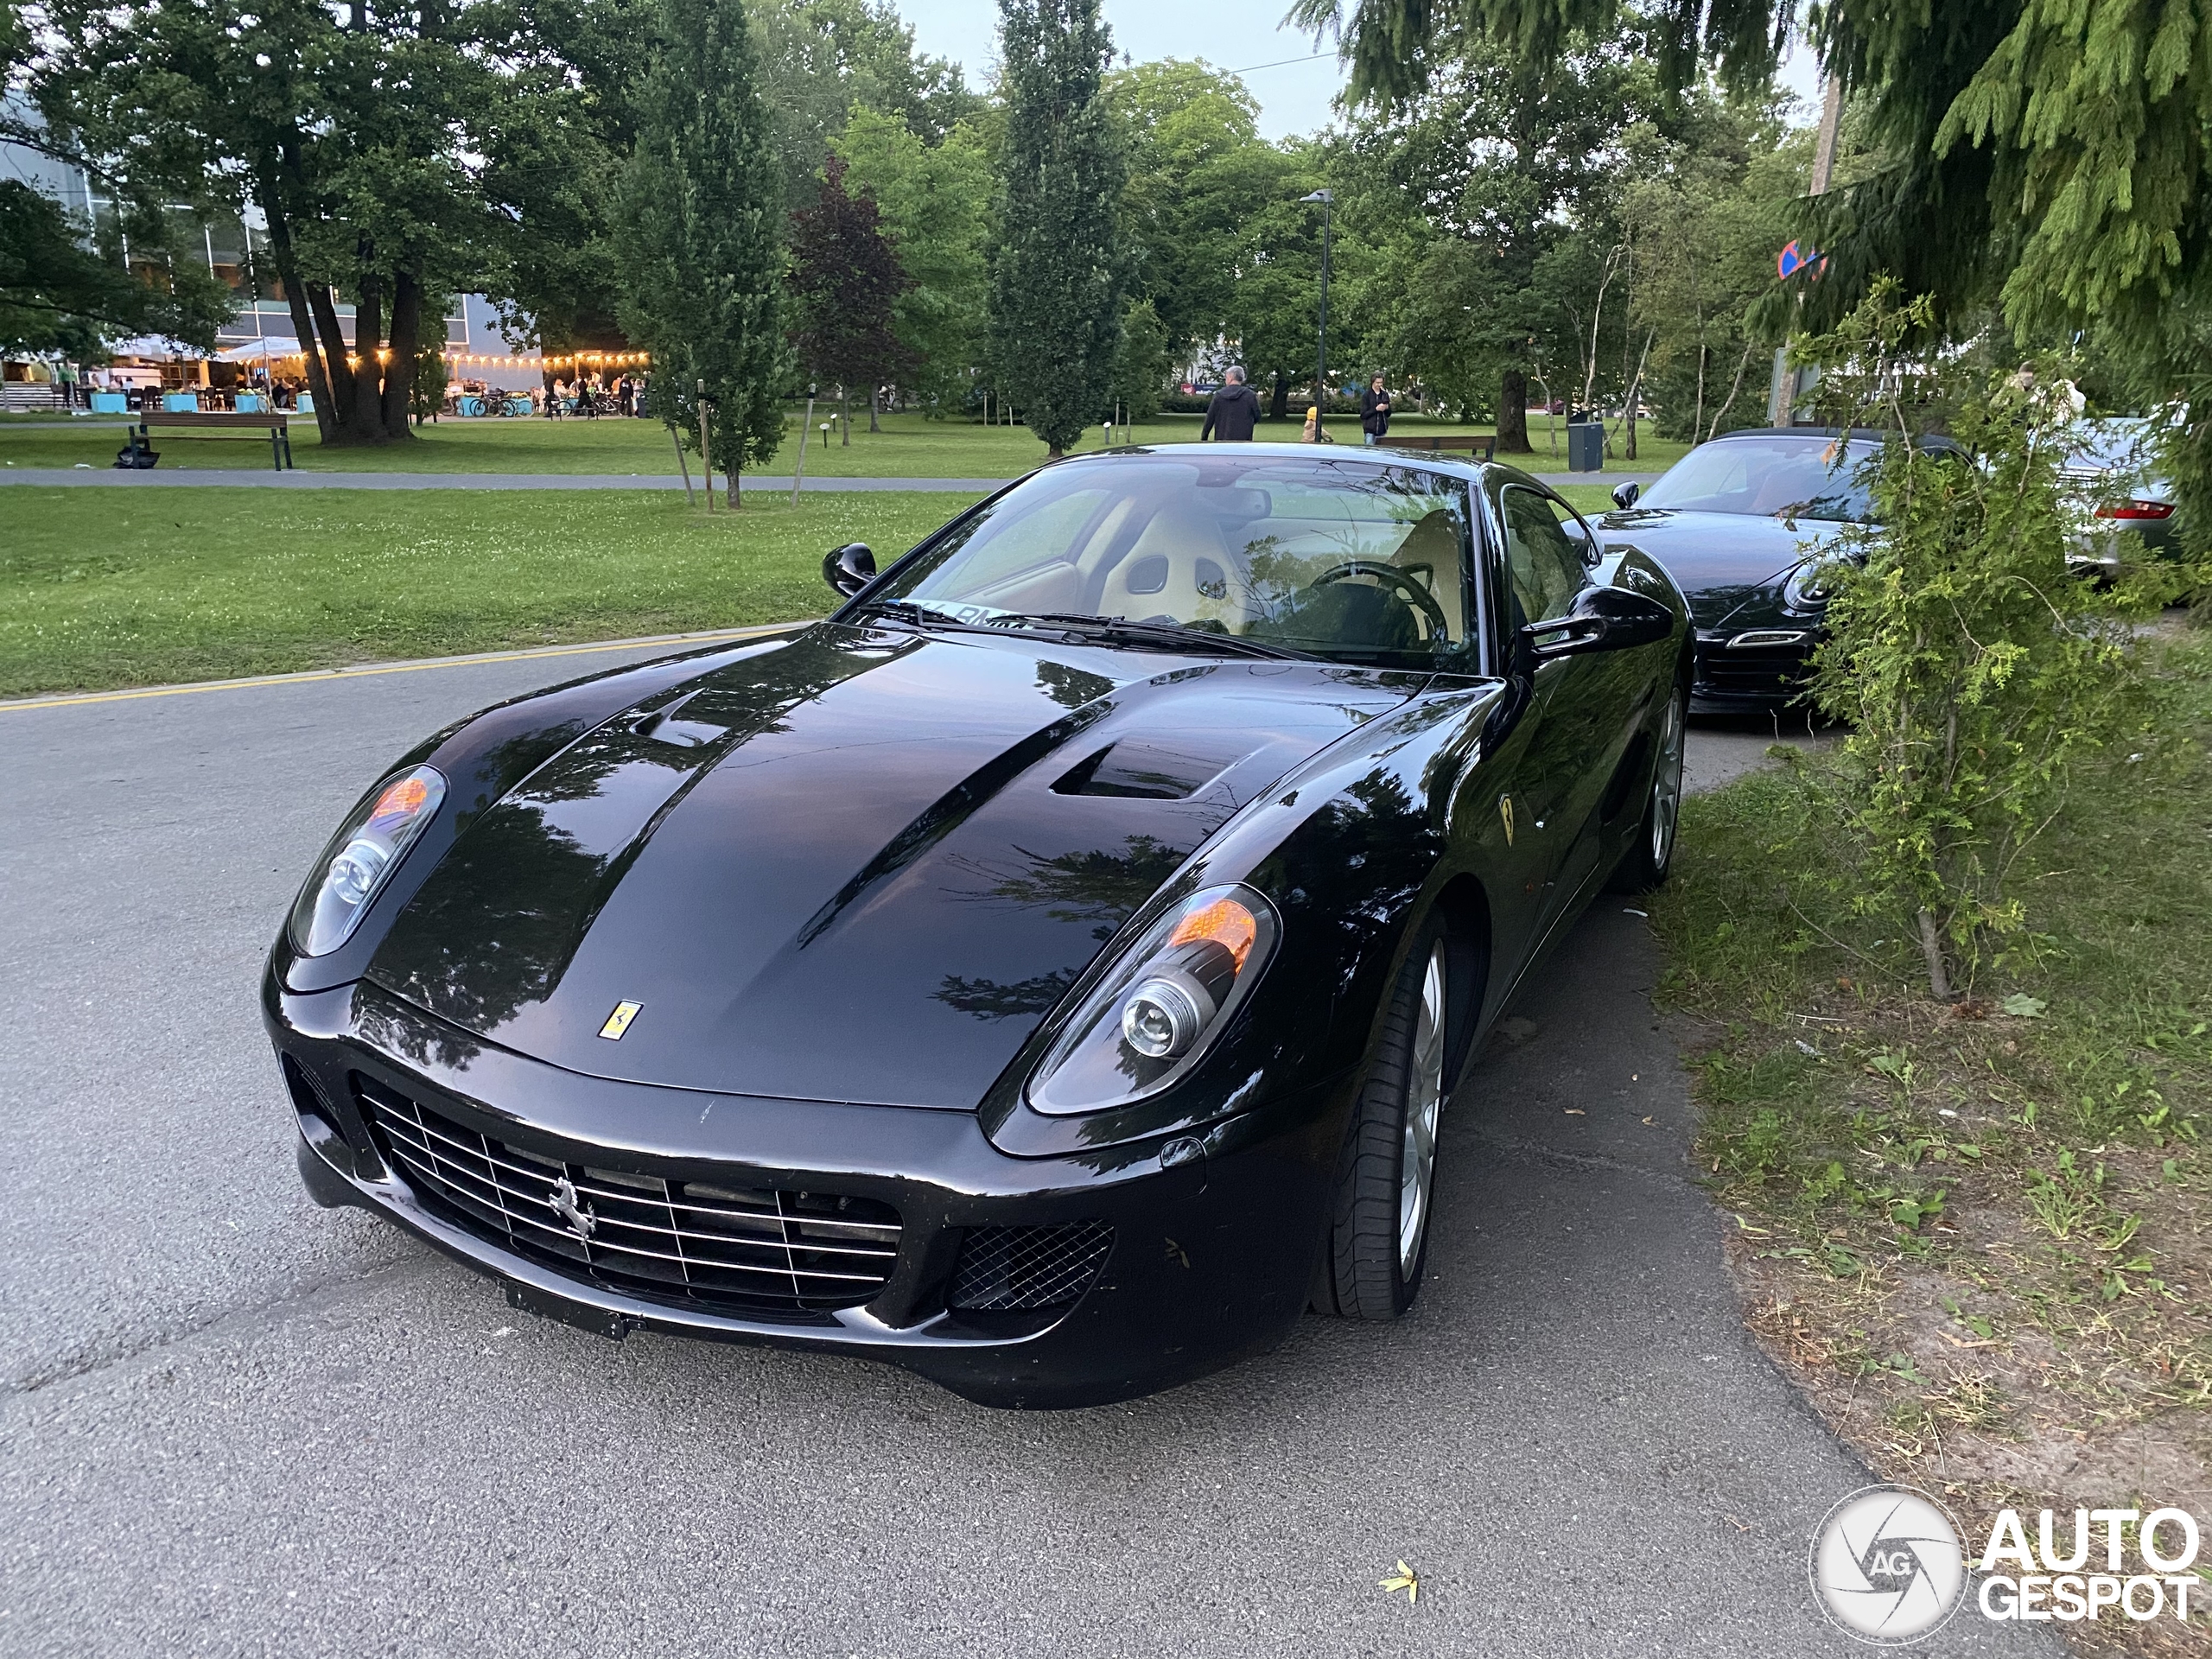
x: 1651, y: 855
x: 1386, y: 1179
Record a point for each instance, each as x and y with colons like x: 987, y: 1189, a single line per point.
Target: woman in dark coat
x: 1375, y: 411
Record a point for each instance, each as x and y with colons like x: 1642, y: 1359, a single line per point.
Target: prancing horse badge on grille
x: 581, y: 1221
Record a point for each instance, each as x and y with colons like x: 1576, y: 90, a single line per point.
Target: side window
x: 1544, y: 568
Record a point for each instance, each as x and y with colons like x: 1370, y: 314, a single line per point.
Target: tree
x: 1710, y: 210
x: 702, y: 207
x: 2053, y: 159
x: 821, y: 60
x: 1501, y: 173
x: 553, y: 165
x: 1056, y: 288
x: 62, y: 293
x: 847, y: 280
x: 64, y: 285
x: 1142, y: 364
x: 934, y: 204
x: 1217, y: 241
x: 353, y: 133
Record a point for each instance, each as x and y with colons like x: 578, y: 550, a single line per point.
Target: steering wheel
x: 1408, y: 588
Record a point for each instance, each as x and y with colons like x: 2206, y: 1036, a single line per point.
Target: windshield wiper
x: 920, y: 616
x: 1179, y: 636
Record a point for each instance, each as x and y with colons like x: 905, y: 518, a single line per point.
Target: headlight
x: 370, y: 845
x: 1812, y: 584
x: 1151, y: 1017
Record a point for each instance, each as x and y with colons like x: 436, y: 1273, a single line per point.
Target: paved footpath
x: 232, y: 1423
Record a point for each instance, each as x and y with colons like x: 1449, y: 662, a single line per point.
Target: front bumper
x: 1729, y: 678
x: 1214, y: 1236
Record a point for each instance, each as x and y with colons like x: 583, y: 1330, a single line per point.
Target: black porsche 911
x: 1747, y: 524
x: 1047, y: 972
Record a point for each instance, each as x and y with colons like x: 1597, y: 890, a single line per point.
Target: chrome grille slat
x: 632, y: 1195
x: 749, y: 1249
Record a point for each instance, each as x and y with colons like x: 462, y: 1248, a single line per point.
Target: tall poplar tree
x: 703, y: 205
x: 1056, y: 288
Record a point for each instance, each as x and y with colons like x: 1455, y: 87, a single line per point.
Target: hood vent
x: 1174, y: 770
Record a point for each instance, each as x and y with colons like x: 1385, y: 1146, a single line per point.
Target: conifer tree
x: 1056, y: 288
x: 702, y: 203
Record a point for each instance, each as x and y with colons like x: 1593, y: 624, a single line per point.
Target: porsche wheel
x: 1386, y: 1177
x: 1645, y: 866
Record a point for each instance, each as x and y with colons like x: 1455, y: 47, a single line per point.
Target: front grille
x: 1757, y: 670
x: 739, y: 1249
x: 1004, y: 1268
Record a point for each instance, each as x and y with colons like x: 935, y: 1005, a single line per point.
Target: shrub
x: 1972, y: 666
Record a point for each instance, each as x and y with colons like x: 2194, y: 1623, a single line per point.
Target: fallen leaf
x: 1576, y: 1111
x: 1649, y: 1120
x: 1404, y: 1579
x: 2021, y: 1006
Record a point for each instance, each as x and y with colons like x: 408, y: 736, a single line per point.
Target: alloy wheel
x: 1424, y: 1105
x: 1667, y: 784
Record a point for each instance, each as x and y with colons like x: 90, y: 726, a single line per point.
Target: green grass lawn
x: 909, y: 446
x: 124, y: 587
x: 1979, y: 1235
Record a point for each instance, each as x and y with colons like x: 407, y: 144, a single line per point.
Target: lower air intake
x: 725, y: 1245
x: 1005, y: 1269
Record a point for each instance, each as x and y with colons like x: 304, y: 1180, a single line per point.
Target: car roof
x: 1426, y: 460
x: 1856, y: 433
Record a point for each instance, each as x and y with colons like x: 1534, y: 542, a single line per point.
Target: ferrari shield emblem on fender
x: 1504, y: 812
x: 619, y: 1021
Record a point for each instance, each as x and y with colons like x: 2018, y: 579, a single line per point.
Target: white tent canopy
x: 253, y: 351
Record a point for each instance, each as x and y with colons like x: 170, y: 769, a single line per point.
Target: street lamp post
x: 1321, y: 355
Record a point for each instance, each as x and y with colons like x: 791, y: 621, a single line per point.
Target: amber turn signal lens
x: 403, y: 800
x: 1224, y: 922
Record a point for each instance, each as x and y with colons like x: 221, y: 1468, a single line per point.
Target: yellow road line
x: 673, y: 640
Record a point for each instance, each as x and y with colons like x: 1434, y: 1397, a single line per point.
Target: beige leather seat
x: 1160, y: 575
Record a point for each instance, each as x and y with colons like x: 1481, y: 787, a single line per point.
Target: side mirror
x: 1604, y: 619
x: 1625, y: 495
x: 848, y: 568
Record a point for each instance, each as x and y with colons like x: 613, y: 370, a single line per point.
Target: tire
x: 1378, y: 1247
x: 1651, y: 855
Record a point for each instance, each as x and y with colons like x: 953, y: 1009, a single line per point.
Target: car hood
x: 1720, y: 559
x: 860, y: 867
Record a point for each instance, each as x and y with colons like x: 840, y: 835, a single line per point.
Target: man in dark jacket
x: 1375, y: 410
x: 1232, y: 412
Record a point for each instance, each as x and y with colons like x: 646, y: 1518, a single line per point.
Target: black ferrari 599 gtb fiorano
x: 1047, y: 972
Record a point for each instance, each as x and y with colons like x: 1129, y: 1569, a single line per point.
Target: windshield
x: 1343, y: 559
x: 1779, y: 476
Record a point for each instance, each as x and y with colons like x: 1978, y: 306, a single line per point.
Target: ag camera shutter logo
x: 1887, y: 1566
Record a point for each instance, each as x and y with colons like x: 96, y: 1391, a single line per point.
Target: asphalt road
x: 235, y: 1424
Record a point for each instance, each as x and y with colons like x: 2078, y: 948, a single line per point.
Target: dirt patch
x: 1978, y: 1307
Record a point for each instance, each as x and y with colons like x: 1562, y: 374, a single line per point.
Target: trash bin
x: 1586, y: 446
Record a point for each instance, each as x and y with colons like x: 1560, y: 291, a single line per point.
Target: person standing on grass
x: 1375, y: 411
x: 1234, y: 411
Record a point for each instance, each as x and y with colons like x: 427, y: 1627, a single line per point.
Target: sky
x: 1235, y: 35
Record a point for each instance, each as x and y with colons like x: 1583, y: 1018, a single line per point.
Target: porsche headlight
x: 370, y: 845
x: 1152, y: 1017
x: 1812, y: 585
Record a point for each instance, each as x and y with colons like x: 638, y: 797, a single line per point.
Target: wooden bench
x: 1484, y: 448
x: 220, y: 426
